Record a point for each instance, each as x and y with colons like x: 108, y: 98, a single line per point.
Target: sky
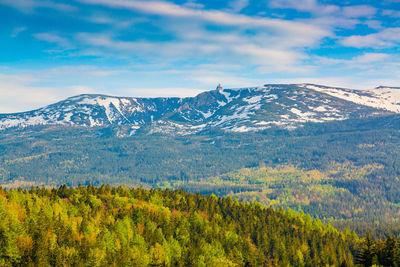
x: 51, y: 50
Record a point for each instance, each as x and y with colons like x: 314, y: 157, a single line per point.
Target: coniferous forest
x: 109, y: 226
x: 117, y: 226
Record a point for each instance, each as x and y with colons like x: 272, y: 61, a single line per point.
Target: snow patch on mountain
x: 320, y: 109
x: 168, y: 127
x: 384, y: 98
x: 389, y: 94
x: 253, y: 99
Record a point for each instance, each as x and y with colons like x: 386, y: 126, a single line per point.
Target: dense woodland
x: 346, y: 173
x: 108, y: 226
x: 315, y: 192
x: 384, y: 252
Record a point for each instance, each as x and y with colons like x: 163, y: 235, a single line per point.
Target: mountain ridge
x: 285, y: 106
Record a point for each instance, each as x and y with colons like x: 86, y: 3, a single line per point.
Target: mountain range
x: 286, y: 106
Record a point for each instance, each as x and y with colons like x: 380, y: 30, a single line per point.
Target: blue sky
x: 55, y: 49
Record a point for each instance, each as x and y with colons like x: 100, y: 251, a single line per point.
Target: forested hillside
x: 108, y: 226
x: 324, y: 194
x: 342, y: 172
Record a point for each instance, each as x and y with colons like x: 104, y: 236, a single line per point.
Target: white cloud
x: 217, y: 17
x: 193, y: 4
x: 359, y: 11
x: 80, y: 71
x: 388, y: 37
x: 53, y: 37
x: 363, y: 61
x: 313, y: 6
x: 365, y: 71
x: 238, y: 5
x: 390, y: 13
x: 161, y: 92
x: 273, y: 44
x: 18, y: 93
x: 102, y: 18
x: 374, y: 24
x: 17, y: 31
x: 271, y: 60
x: 370, y: 57
x: 170, y: 51
x: 229, y: 48
x: 304, y: 5
x: 334, y: 22
x: 28, y: 6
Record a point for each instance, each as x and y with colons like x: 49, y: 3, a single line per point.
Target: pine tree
x: 367, y: 252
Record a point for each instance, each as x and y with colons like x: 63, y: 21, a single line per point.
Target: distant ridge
x: 286, y: 106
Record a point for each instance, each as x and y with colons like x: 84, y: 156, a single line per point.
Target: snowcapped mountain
x: 238, y: 110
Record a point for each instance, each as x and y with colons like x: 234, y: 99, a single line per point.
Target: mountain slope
x: 236, y: 110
